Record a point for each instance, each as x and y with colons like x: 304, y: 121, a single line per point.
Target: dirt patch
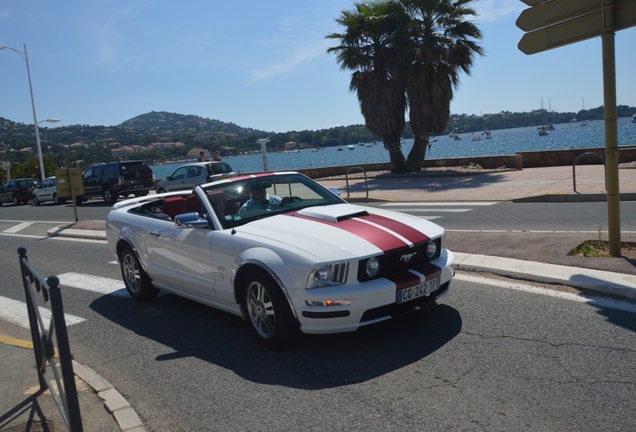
x: 600, y: 249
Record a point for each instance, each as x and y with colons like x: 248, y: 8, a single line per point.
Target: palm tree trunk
x: 415, y: 160
x: 392, y: 144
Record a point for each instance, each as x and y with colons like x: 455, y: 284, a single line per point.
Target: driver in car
x: 259, y: 198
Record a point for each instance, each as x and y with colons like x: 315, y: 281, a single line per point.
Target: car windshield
x: 219, y: 168
x: 29, y: 183
x: 250, y: 198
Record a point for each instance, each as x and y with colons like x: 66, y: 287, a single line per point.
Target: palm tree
x: 371, y: 47
x: 442, y: 44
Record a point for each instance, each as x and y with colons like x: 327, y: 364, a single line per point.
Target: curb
x: 114, y: 402
x: 604, y: 282
x: 62, y: 231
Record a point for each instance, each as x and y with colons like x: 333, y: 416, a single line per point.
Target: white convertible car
x: 305, y: 260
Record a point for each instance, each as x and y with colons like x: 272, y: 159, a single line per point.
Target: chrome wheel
x: 130, y: 272
x: 138, y: 283
x: 269, y: 312
x: 261, y: 310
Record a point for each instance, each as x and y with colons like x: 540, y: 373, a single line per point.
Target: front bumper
x: 368, y: 302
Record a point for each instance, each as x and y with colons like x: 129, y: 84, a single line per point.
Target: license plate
x: 416, y: 291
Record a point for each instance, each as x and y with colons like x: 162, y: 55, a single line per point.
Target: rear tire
x: 16, y: 201
x: 268, y: 311
x: 138, y: 283
x: 110, y: 197
x: 161, y: 190
x: 56, y: 200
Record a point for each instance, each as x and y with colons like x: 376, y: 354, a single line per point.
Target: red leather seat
x: 192, y: 204
x: 173, y: 206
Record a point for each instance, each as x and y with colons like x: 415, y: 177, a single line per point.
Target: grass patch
x: 600, y: 249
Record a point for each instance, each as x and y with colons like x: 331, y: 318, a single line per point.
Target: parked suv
x: 112, y: 179
x: 18, y: 191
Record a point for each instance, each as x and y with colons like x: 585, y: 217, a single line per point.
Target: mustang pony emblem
x: 407, y: 257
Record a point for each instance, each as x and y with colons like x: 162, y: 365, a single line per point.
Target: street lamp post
x: 25, y: 56
x: 263, y: 142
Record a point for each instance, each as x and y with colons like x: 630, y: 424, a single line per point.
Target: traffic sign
x: 577, y: 29
x: 553, y: 12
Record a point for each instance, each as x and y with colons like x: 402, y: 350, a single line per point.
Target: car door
x: 180, y: 258
x: 194, y: 176
x: 45, y: 191
x: 177, y: 180
x: 4, y: 195
x: 92, y: 180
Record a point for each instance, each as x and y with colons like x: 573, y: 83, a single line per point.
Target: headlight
x: 372, y: 267
x: 431, y: 249
x: 328, y: 275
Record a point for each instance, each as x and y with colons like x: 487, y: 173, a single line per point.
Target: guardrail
x: 581, y: 156
x: 50, y: 341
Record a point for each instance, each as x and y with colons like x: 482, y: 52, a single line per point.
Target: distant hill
x: 173, y: 124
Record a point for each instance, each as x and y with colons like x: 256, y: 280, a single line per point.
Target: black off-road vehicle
x: 112, y: 179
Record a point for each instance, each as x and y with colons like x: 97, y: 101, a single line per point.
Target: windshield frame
x: 228, y: 197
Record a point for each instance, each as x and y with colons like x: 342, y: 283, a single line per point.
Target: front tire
x: 161, y: 190
x: 269, y: 314
x: 36, y: 201
x: 138, y: 283
x: 110, y: 197
x: 16, y: 201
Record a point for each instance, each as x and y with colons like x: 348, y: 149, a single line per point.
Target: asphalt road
x: 485, y: 358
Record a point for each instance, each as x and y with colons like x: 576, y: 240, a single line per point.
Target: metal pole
x: 611, y: 130
x: 35, y: 119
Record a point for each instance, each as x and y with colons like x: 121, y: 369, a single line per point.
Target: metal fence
x: 50, y: 341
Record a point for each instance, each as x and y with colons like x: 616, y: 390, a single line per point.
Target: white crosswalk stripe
x: 15, y: 312
x: 96, y: 284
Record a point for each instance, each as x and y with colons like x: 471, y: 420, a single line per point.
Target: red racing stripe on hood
x: 380, y: 238
x: 406, y: 231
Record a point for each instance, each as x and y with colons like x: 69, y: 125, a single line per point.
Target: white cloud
x: 489, y: 11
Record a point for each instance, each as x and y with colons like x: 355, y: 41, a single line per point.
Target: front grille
x: 399, y: 261
x: 339, y: 272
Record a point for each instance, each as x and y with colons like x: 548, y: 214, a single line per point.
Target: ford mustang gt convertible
x: 279, y: 250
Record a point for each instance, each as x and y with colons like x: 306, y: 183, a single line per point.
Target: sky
x: 258, y: 64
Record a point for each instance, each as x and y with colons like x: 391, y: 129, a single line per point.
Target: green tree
x: 442, y: 44
x: 370, y: 48
x: 406, y: 50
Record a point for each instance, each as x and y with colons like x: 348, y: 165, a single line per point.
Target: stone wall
x: 517, y: 161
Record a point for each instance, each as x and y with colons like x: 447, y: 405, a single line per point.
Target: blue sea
x: 503, y: 142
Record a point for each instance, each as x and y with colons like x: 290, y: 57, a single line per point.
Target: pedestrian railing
x: 581, y: 156
x: 357, y: 168
x: 50, y: 341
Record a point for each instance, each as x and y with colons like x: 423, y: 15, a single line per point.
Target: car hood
x: 343, y: 231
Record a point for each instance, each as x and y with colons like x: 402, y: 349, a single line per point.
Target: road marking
x: 439, y: 204
x: 18, y: 227
x: 96, y: 284
x: 600, y: 302
x: 533, y: 231
x: 446, y: 210
x: 15, y: 312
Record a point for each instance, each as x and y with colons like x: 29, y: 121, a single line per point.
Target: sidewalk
x: 536, y: 257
